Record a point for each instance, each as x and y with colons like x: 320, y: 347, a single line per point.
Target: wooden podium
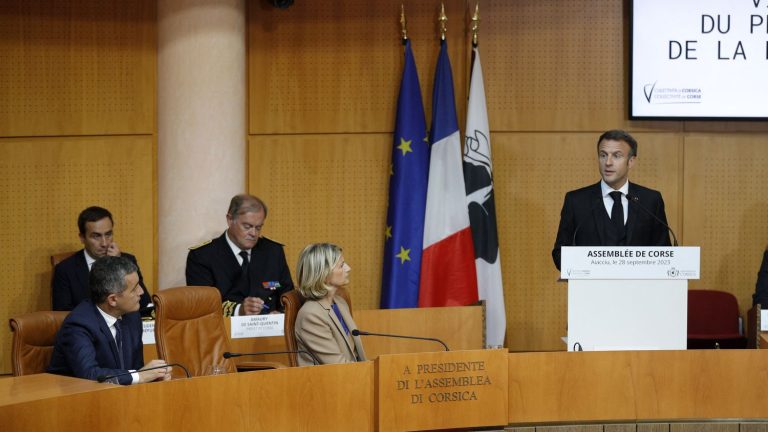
x: 628, y: 298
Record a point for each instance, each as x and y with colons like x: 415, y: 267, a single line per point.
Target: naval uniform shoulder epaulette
x: 271, y: 241
x: 200, y: 245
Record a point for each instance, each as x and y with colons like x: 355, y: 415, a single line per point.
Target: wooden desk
x: 637, y: 386
x: 461, y: 328
x: 543, y: 388
x: 320, y: 398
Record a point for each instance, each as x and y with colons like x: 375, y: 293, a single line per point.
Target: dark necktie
x: 617, y: 213
x: 245, y: 286
x: 119, y: 342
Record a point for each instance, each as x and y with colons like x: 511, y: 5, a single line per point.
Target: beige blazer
x: 320, y: 332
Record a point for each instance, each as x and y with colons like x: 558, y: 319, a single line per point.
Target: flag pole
x: 403, y: 29
x: 475, y: 24
x: 442, y: 19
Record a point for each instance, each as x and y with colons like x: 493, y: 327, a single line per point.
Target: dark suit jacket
x: 582, y: 220
x: 70, y: 282
x: 214, y: 264
x: 85, y: 348
x: 761, y: 287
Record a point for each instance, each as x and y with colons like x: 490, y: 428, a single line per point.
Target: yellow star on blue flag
x: 403, y: 255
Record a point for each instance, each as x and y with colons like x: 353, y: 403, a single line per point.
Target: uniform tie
x: 244, y: 283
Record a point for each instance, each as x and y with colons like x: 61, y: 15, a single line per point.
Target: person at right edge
x: 608, y: 213
x: 324, y: 323
x: 761, y: 287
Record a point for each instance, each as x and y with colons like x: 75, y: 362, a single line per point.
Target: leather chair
x: 292, y: 302
x: 713, y: 320
x: 190, y: 330
x: 33, y: 337
x: 56, y: 259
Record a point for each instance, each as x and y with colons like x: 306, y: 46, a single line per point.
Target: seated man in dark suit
x: 70, y: 277
x: 612, y: 212
x: 761, y: 287
x: 249, y: 270
x: 101, y: 337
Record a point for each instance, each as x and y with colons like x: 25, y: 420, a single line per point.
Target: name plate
x: 634, y: 262
x: 257, y: 326
x: 442, y: 390
x: 148, y: 332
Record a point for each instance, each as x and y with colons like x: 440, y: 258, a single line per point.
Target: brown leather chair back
x: 190, y: 330
x: 292, y: 302
x: 56, y: 259
x: 33, y: 337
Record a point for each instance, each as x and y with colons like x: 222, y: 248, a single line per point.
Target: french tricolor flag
x: 448, y: 276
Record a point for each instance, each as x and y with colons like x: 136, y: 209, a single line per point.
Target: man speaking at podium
x: 612, y: 212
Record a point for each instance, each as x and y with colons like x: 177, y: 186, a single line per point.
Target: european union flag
x: 409, y: 173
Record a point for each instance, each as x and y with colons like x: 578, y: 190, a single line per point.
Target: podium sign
x: 628, y: 298
x: 668, y: 263
x: 442, y: 390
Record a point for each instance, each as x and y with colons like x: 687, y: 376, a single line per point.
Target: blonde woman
x: 324, y: 324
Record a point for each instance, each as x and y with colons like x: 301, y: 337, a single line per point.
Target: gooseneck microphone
x: 228, y: 354
x: 102, y: 378
x: 635, y: 199
x: 357, y: 332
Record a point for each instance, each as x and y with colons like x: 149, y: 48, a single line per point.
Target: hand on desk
x: 146, y: 376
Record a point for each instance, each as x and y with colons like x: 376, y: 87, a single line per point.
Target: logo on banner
x: 672, y: 95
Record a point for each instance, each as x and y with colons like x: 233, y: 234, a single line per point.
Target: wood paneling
x: 725, y: 210
x: 72, y: 68
x: 326, y: 188
x: 637, y: 386
x: 324, y: 398
x: 335, y: 67
x: 554, y: 66
x: 704, y: 427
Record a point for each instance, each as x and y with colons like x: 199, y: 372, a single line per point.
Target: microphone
x: 102, y: 378
x: 228, y: 354
x: 635, y: 199
x: 357, y: 332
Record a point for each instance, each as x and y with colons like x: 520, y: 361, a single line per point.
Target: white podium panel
x: 616, y: 315
x: 628, y: 298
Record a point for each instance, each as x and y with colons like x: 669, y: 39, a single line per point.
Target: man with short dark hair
x: 70, y: 277
x: 101, y: 337
x: 608, y: 213
x: 249, y: 270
